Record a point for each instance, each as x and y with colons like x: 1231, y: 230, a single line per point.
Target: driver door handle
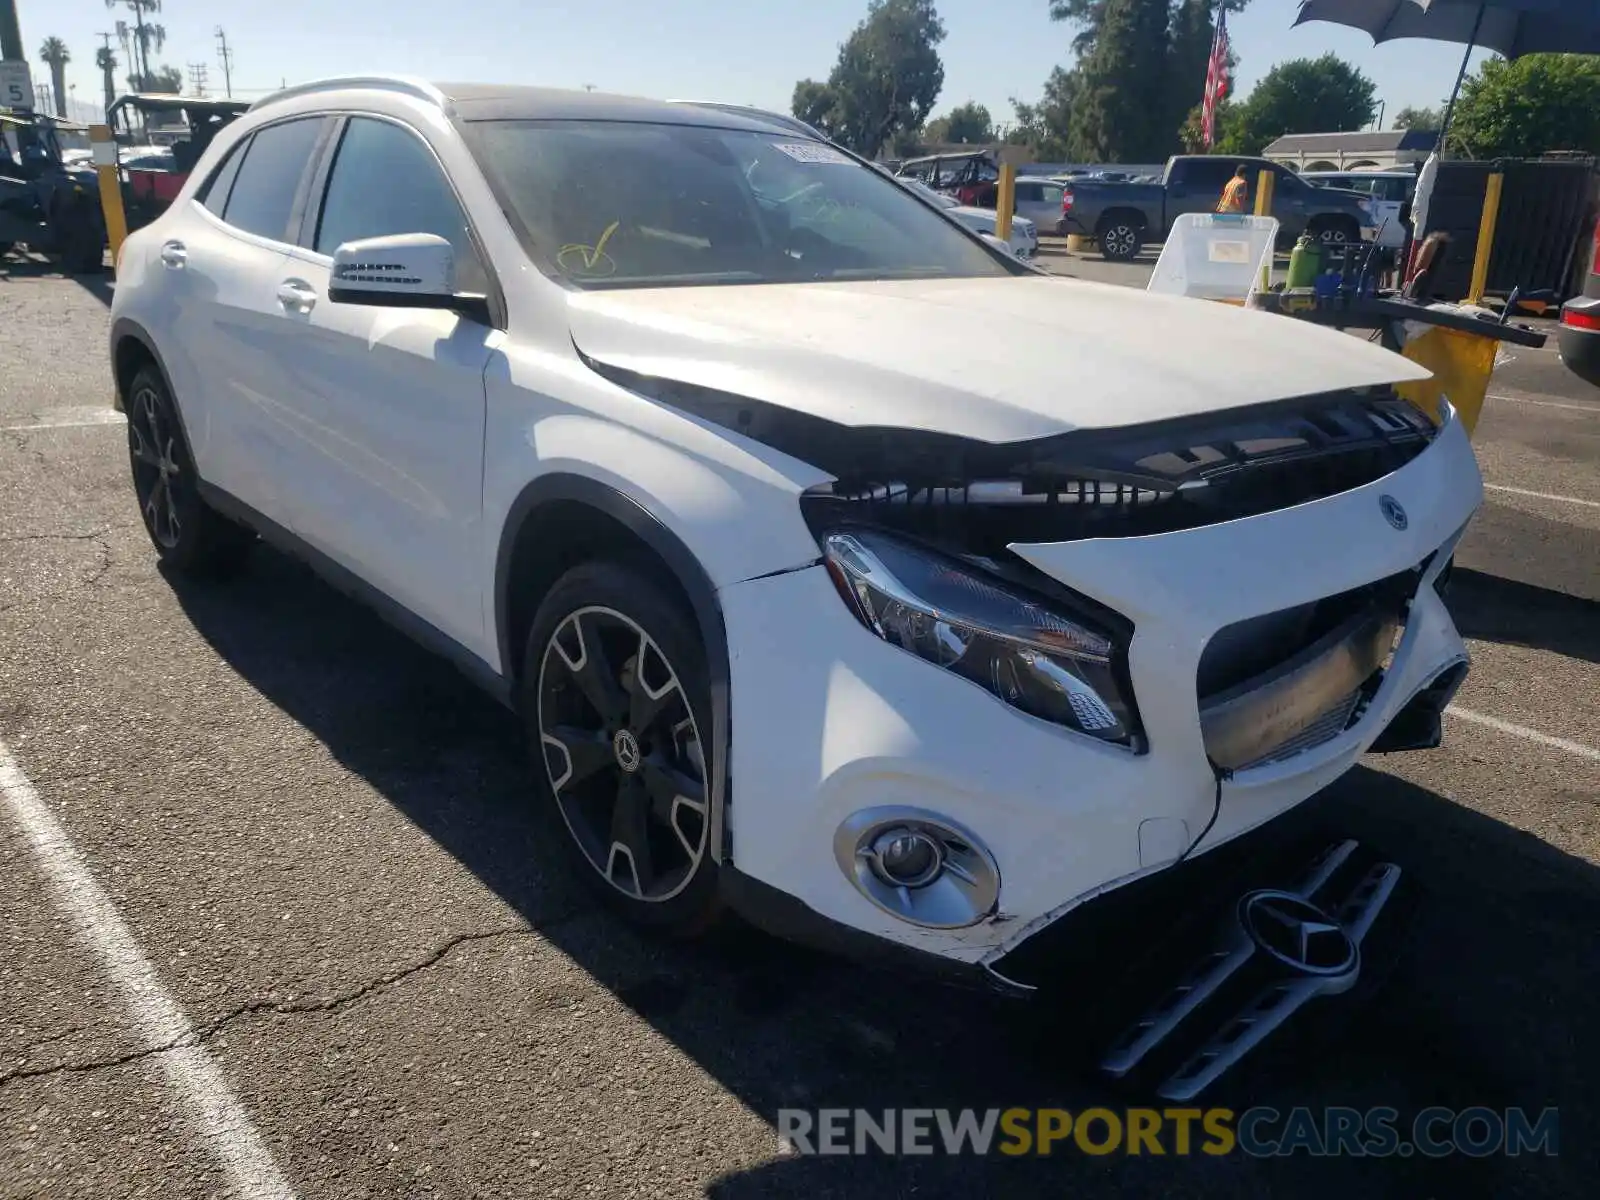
x: 296, y: 295
x: 174, y: 255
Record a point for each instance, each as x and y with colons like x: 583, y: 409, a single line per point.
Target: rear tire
x: 616, y: 701
x: 189, y: 535
x: 1121, y: 240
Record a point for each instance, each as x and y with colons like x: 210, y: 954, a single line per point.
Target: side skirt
x: 342, y: 579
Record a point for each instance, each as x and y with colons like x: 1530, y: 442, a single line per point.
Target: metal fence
x: 1547, y: 211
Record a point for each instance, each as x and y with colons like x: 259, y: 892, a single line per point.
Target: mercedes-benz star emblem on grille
x: 1392, y: 511
x: 1297, y: 933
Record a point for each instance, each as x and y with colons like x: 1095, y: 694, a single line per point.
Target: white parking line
x: 1515, y: 491
x: 1588, y: 408
x: 219, y: 1118
x: 1522, y: 731
x: 70, y: 419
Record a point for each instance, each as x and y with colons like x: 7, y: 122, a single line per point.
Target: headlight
x: 1056, y: 668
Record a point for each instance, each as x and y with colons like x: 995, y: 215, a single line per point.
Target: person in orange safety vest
x: 1236, y: 193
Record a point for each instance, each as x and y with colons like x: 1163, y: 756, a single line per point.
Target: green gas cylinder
x: 1304, y: 263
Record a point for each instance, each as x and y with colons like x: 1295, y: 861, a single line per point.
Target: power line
x: 226, y: 56
x: 197, y: 78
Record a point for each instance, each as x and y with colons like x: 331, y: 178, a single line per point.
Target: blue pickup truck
x: 1124, y: 216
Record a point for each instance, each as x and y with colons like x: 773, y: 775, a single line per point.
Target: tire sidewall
x: 637, y: 594
x: 190, y: 507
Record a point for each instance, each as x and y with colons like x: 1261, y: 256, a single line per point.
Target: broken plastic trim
x: 980, y: 497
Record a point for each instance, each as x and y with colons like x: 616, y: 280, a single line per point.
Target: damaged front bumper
x: 830, y: 722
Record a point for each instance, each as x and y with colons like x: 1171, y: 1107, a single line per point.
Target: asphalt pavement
x: 278, y: 919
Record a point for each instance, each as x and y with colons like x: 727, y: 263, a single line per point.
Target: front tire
x: 188, y: 534
x: 616, y: 699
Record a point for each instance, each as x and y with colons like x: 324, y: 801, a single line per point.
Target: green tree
x: 965, y: 124
x: 1088, y: 14
x: 1538, y: 103
x: 1305, y: 95
x: 160, y: 79
x: 55, y: 54
x: 886, y: 79
x: 1115, y: 120
x: 817, y: 105
x: 1413, y: 117
x: 1046, y: 127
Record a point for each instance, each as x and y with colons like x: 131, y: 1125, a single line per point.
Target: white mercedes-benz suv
x: 845, y: 571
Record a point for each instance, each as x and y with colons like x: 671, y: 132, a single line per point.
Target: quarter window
x: 215, y: 193
x: 261, y: 200
x: 386, y: 181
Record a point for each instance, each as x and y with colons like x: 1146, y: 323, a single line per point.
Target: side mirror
x: 403, y: 270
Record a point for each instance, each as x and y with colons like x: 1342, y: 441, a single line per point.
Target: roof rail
x: 409, y: 85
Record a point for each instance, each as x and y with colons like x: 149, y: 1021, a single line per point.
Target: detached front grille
x: 1131, y: 482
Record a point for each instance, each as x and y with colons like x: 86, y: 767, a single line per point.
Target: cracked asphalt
x: 320, y: 839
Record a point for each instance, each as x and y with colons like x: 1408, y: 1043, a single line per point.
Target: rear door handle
x: 296, y: 295
x: 174, y: 255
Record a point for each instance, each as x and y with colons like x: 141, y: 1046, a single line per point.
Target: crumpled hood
x: 996, y: 360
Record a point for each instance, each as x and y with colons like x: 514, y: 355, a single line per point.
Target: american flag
x: 1216, y: 78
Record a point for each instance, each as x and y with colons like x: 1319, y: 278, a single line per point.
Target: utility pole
x: 226, y: 57
x: 10, y: 32
x: 197, y: 78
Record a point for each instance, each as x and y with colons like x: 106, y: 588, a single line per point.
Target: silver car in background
x: 1024, y: 241
x: 1039, y: 200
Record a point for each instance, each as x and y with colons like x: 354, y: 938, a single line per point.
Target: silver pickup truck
x: 1124, y: 216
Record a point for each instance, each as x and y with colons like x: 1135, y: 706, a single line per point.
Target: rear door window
x: 262, y: 198
x: 1029, y: 193
x: 1199, y: 174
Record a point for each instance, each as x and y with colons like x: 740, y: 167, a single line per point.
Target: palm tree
x: 106, y: 59
x: 138, y: 38
x: 55, y: 53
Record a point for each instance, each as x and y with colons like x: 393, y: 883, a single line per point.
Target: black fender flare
x: 686, y: 569
x: 124, y: 328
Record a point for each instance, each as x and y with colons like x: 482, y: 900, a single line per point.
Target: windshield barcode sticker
x: 1230, y: 252
x: 811, y: 152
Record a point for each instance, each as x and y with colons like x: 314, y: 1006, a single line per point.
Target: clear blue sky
x: 744, y: 51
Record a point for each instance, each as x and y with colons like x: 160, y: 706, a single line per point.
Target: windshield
x: 624, y: 204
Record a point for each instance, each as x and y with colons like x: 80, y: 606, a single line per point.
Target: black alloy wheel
x: 619, y: 716
x: 187, y: 532
x: 1121, y: 242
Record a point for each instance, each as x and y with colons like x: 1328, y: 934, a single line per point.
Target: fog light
x: 906, y: 857
x: 918, y: 866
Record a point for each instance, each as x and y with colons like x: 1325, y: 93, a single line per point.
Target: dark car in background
x: 1125, y: 215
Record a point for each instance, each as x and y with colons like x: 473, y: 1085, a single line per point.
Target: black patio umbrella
x: 1510, y: 27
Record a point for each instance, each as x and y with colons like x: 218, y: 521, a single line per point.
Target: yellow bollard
x: 1480, y: 260
x: 1265, y: 182
x: 1005, y: 199
x: 105, y: 168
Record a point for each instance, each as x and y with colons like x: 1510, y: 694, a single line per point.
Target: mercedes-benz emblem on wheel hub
x: 1297, y: 933
x: 1392, y: 511
x: 626, y: 747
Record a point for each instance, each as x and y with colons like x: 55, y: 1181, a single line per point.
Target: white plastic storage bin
x: 1215, y: 256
